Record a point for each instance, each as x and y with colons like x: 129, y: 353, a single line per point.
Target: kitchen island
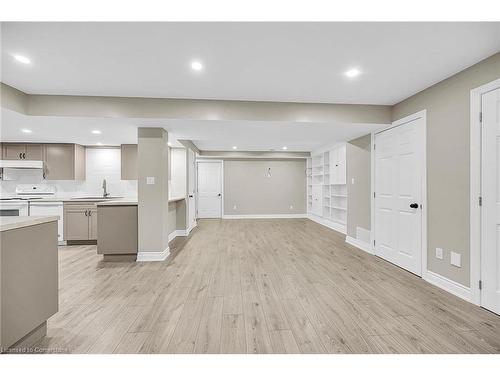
x: 28, y: 279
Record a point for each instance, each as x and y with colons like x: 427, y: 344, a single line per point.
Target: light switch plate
x: 352, y: 181
x: 439, y: 253
x: 234, y: 207
x: 150, y: 180
x: 291, y: 207
x: 455, y: 259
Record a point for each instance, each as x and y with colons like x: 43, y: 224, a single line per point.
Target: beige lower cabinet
x: 80, y: 221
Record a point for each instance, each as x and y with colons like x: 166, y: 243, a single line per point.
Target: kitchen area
x: 78, y: 183
x: 54, y: 195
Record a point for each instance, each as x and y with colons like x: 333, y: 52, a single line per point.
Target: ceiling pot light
x: 196, y: 65
x: 169, y: 144
x: 22, y: 59
x: 99, y: 144
x: 27, y: 131
x: 96, y: 132
x: 351, y: 73
x: 284, y: 148
x: 234, y: 147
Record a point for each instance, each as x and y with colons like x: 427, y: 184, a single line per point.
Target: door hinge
x: 374, y: 147
x: 480, y: 284
x: 480, y: 201
x: 373, y: 242
x: 480, y: 117
x: 373, y: 194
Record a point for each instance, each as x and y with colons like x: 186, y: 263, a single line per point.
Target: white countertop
x: 15, y: 222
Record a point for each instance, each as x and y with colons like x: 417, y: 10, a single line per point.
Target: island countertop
x: 15, y: 222
x: 130, y: 202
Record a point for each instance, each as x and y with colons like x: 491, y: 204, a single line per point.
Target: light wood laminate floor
x: 259, y: 286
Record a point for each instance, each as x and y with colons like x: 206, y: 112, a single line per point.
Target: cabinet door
x: 13, y: 151
x: 129, y: 162
x: 34, y: 151
x: 93, y: 224
x: 59, y: 162
x: 342, y: 165
x: 316, y: 206
x: 76, y: 223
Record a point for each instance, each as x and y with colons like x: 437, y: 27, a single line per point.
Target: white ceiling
x: 298, y: 62
x: 207, y: 135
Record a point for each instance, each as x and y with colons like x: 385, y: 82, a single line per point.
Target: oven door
x: 14, y: 209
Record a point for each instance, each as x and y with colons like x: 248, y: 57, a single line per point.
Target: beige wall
x: 102, y: 106
x: 358, y: 154
x: 448, y: 110
x: 247, y: 186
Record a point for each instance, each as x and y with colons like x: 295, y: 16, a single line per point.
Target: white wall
x: 177, y: 172
x: 100, y: 163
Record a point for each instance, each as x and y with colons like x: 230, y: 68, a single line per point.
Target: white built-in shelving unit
x: 326, y: 187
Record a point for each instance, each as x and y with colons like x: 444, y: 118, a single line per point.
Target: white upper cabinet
x: 338, y: 165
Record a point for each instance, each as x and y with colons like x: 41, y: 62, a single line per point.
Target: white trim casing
x: 270, y: 216
x: 475, y: 188
x: 448, y: 285
x: 328, y: 223
x: 423, y: 115
x: 153, y: 256
x: 359, y: 244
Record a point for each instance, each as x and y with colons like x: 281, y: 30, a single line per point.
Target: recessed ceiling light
x: 196, y: 65
x: 96, y: 132
x: 27, y: 131
x: 99, y: 143
x: 234, y: 147
x: 351, y: 73
x: 284, y: 148
x: 169, y: 143
x: 22, y: 59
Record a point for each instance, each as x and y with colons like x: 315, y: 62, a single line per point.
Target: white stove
x: 29, y: 201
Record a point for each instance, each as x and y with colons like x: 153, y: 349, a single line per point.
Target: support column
x: 152, y: 167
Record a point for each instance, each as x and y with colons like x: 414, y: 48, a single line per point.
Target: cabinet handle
x: 24, y: 155
x: 86, y: 212
x: 90, y: 213
x: 20, y: 155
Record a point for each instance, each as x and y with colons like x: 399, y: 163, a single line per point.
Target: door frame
x: 423, y: 155
x: 222, y: 182
x: 475, y: 187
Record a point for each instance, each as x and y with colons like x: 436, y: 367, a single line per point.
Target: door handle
x: 414, y: 205
x: 190, y: 196
x: 219, y: 195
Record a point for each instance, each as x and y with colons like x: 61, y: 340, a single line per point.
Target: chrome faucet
x: 104, y: 193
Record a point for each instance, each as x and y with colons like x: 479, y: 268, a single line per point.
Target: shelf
x: 339, y: 208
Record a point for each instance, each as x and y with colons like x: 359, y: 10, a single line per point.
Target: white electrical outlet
x: 439, y: 253
x: 150, y: 180
x: 455, y: 259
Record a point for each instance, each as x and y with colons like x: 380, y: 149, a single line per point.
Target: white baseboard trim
x: 191, y: 228
x: 276, y: 216
x: 153, y: 256
x: 449, y: 285
x: 328, y: 223
x: 362, y: 245
x: 177, y: 233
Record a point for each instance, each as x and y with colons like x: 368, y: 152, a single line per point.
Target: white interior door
x: 191, y: 189
x: 398, y: 194
x: 210, y: 189
x: 490, y: 212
